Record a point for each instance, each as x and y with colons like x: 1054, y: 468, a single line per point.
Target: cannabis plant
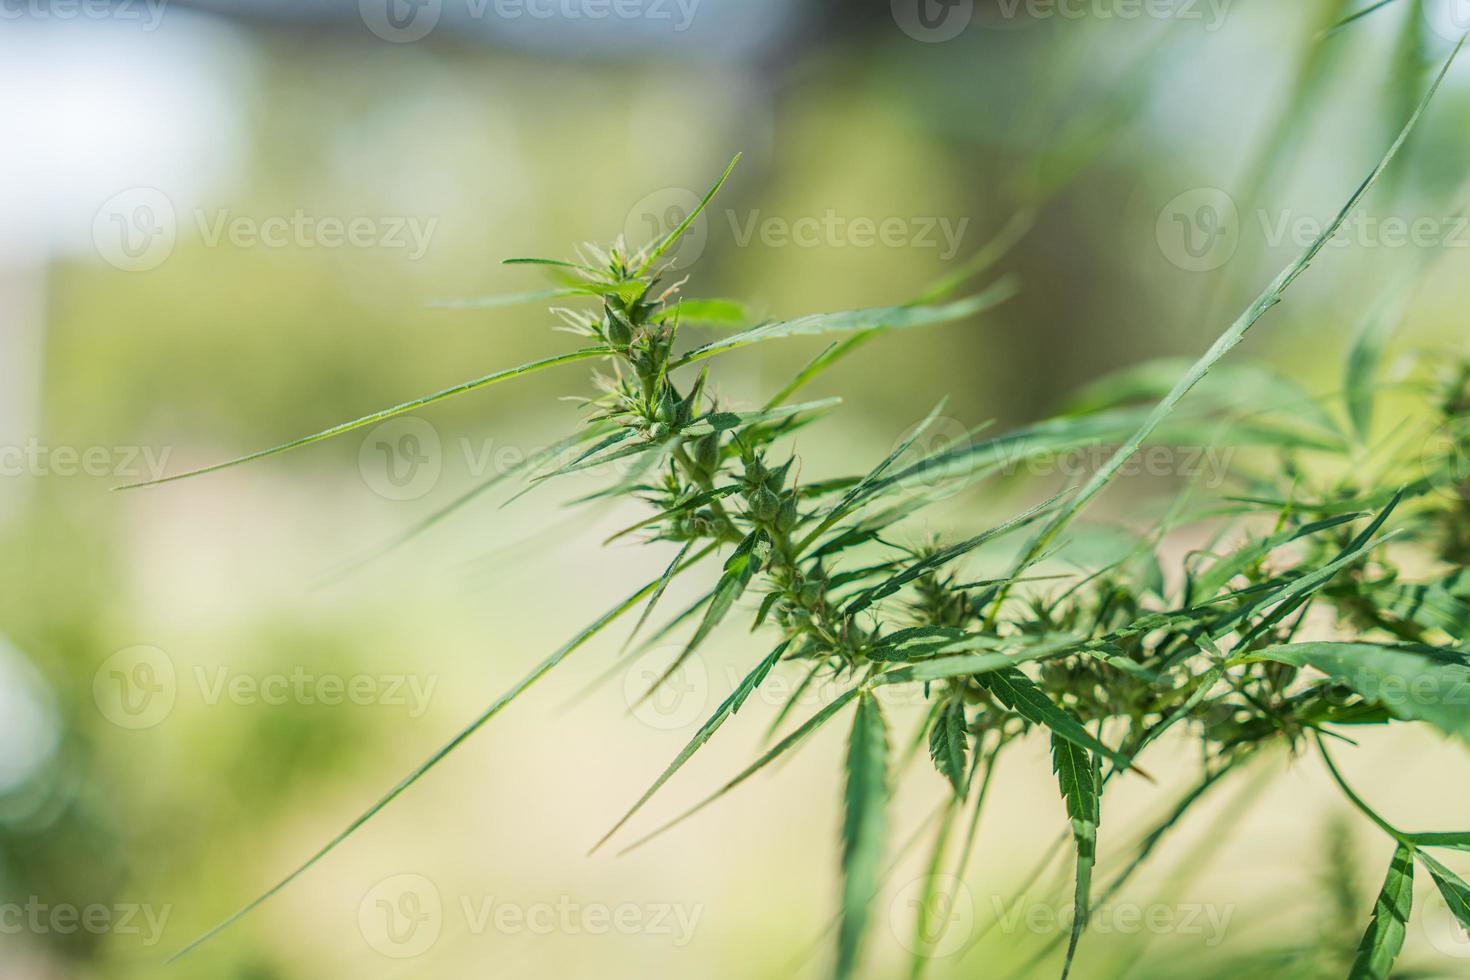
x: 1297, y: 622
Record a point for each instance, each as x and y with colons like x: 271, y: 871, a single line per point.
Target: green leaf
x: 1290, y: 596
x: 387, y: 413
x: 726, y: 421
x: 672, y: 237
x: 1427, y: 604
x: 942, y: 557
x: 1456, y: 893
x: 1077, y: 773
x: 727, y: 708
x: 1225, y: 568
x: 1459, y: 841
x: 879, y: 318
x: 1019, y: 693
x: 830, y: 355
x: 813, y: 723
x: 663, y: 584
x: 1364, y: 360
x: 863, y: 828
x: 973, y: 665
x: 705, y: 312
x: 695, y: 502
x: 469, y: 496
x: 1385, y: 936
x: 739, y: 569
x: 555, y: 263
x: 949, y: 743
x: 1414, y: 683
x: 509, y: 299
x: 1357, y: 15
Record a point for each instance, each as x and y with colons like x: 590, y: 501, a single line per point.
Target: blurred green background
x: 159, y: 760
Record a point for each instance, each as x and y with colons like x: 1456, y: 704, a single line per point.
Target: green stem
x: 1356, y: 800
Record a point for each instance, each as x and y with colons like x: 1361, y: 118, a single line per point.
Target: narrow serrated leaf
x: 879, y: 318
x: 949, y: 743
x: 1019, y: 693
x: 387, y: 413
x: 1385, y: 935
x: 1078, y: 775
x: 726, y: 709
x: 863, y: 828
x: 813, y: 723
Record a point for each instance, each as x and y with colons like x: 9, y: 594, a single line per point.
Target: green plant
x: 1219, y: 649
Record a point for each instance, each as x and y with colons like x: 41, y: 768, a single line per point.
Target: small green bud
x: 707, y: 452
x: 617, y: 331
x: 764, y: 506
x: 787, y: 517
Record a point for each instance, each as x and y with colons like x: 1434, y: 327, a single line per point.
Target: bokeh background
x: 223, y: 224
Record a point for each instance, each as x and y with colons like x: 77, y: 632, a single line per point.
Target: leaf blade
x: 863, y: 828
x: 1384, y: 937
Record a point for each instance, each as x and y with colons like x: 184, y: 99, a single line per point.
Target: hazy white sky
x: 96, y: 106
